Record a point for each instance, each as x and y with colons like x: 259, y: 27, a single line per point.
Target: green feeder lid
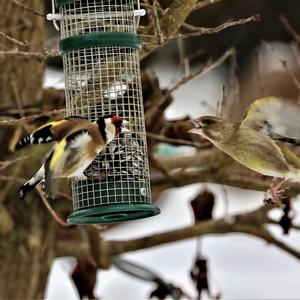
x: 98, y: 39
x: 112, y: 213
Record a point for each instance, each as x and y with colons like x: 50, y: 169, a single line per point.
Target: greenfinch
x: 258, y: 141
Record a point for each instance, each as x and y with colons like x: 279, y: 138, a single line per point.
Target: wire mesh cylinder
x: 100, y: 52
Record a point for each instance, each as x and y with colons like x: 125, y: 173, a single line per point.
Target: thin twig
x: 287, y: 25
x: 13, y: 40
x: 196, y: 54
x: 55, y: 216
x: 40, y: 55
x: 17, y: 2
x: 206, y: 69
x: 41, y: 194
x: 7, y: 163
x: 149, y: 15
x: 296, y: 52
x: 205, y: 3
x: 150, y: 114
x: 268, y: 237
x: 283, y: 63
x: 157, y: 24
x: 32, y: 117
x: 198, y: 31
x: 151, y: 46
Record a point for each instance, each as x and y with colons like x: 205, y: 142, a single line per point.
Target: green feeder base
x: 112, y: 213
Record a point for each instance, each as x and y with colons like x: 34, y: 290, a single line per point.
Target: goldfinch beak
x: 125, y: 125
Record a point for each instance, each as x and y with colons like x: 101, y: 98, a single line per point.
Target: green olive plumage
x: 248, y: 145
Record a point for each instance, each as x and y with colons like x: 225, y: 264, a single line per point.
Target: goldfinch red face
x: 119, y: 124
x: 112, y: 125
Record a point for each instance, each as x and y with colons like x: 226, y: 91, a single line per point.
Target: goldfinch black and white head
x: 110, y: 126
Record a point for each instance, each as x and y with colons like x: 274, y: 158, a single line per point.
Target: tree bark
x: 21, y: 78
x: 27, y: 229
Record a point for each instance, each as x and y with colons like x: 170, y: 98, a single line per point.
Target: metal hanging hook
x: 53, y: 16
x: 139, y: 13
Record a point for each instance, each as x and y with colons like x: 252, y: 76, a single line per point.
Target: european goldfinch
x: 255, y: 142
x: 78, y: 142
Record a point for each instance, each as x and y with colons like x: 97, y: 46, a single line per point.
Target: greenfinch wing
x: 275, y: 117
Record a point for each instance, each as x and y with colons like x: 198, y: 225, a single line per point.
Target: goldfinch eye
x: 118, y: 124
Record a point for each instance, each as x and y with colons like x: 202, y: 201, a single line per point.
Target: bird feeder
x: 100, y: 50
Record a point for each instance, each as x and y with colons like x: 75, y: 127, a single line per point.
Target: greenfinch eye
x: 208, y: 122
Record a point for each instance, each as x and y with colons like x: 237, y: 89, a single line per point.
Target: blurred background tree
x: 196, y: 35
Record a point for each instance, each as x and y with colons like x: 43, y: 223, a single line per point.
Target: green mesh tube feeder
x: 100, y: 50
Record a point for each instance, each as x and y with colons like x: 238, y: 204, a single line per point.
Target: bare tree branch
x: 268, y: 237
x: 287, y: 25
x: 17, y: 2
x: 32, y: 117
x: 7, y: 163
x: 283, y: 63
x: 39, y: 55
x: 200, y: 31
x: 203, y: 30
x: 53, y: 213
x: 204, y: 3
x: 250, y: 223
x: 13, y: 40
x: 206, y: 69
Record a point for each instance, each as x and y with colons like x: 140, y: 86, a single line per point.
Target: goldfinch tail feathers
x: 25, y: 188
x: 32, y: 183
x: 39, y: 136
x: 22, y: 143
x: 49, y: 132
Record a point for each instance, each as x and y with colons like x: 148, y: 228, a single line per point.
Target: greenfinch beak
x: 194, y: 130
x: 197, y: 128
